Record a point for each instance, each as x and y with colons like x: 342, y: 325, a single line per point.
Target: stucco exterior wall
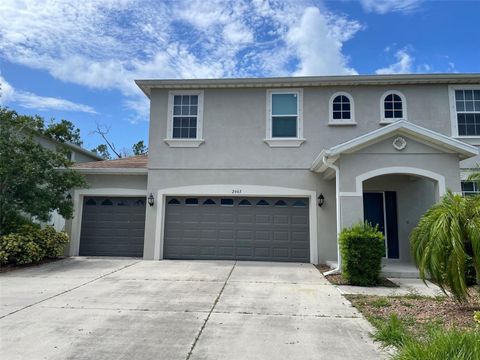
x: 295, y: 179
x: 234, y: 125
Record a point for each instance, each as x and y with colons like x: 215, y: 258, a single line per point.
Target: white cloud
x: 319, y: 43
x: 107, y: 44
x: 386, y: 6
x: 32, y: 101
x: 402, y: 66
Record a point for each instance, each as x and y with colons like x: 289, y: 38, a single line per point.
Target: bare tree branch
x: 103, y: 131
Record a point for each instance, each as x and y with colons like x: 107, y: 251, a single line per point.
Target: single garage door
x: 112, y: 226
x: 268, y: 229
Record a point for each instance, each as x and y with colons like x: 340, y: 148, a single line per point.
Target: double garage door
x: 268, y: 229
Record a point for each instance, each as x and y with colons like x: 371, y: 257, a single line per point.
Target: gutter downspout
x: 338, y: 269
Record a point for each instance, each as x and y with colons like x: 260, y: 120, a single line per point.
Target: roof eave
x: 112, y: 171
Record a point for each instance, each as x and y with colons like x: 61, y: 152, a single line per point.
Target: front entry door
x: 380, y: 208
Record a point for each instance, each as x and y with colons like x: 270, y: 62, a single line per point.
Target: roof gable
x: 428, y: 137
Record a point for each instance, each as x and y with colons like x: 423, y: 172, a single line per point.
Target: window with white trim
x: 284, y: 116
x: 393, y: 106
x: 185, y: 118
x: 341, y: 109
x: 470, y: 188
x: 467, y: 109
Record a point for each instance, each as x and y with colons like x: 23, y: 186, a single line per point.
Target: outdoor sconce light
x: 151, y: 200
x: 68, y: 197
x: 321, y: 200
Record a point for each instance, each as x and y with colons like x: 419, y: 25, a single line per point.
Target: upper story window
x: 284, y: 118
x: 393, y: 106
x: 465, y: 105
x: 341, y: 109
x: 185, y: 118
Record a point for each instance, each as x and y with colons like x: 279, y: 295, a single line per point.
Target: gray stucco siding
x: 234, y: 124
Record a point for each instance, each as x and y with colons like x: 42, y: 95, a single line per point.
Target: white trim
x: 268, y: 136
x: 397, y: 170
x: 453, y: 112
x: 284, y: 142
x: 331, y: 120
x: 233, y: 191
x: 179, y: 142
x: 184, y: 142
x: 78, y: 196
x: 444, y: 142
x: 384, y: 120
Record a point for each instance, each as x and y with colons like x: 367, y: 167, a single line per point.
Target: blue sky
x: 77, y: 59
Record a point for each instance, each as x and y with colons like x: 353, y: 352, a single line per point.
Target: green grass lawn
x: 422, y: 327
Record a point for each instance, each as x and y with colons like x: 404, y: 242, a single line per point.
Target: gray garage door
x: 112, y: 226
x: 269, y: 229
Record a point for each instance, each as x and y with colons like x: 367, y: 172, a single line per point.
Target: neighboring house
x: 76, y: 154
x: 273, y: 168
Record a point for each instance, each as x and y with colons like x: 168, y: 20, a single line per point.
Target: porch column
x: 351, y: 210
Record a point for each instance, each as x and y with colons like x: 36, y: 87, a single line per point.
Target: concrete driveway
x: 82, y: 308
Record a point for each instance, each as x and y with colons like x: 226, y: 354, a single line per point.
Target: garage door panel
x: 237, y: 228
x: 112, y: 226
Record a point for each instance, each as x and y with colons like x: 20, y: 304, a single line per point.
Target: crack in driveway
x: 210, y: 312
x: 69, y: 290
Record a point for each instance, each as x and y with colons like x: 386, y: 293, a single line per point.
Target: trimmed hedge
x: 31, y: 244
x: 362, y: 248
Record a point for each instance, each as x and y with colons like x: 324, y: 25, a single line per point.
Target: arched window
x: 209, y: 202
x: 244, y: 202
x: 107, y: 202
x: 173, y: 202
x: 394, y: 106
x: 341, y: 109
x: 262, y: 203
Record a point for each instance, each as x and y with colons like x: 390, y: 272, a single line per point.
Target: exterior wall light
x: 151, y: 200
x: 68, y: 197
x: 321, y: 200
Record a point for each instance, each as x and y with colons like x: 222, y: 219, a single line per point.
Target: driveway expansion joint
x: 210, y: 312
x: 69, y: 290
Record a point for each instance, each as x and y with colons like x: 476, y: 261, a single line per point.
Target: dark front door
x: 380, y: 208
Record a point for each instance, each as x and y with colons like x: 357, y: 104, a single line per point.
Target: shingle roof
x: 131, y: 162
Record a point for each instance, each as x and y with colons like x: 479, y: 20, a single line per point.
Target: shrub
x: 362, y: 248
x: 53, y: 242
x: 31, y: 244
x: 441, y: 345
x: 444, y: 239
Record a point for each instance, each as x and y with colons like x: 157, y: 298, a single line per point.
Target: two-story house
x: 271, y: 169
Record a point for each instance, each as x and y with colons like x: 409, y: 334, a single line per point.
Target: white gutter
x: 338, y: 269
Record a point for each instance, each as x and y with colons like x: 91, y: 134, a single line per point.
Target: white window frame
x: 475, y: 139
x: 384, y: 120
x: 176, y: 142
x: 284, y: 142
x: 331, y: 120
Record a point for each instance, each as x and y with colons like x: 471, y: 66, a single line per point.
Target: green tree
x: 34, y: 181
x: 64, y: 131
x: 440, y: 241
x: 139, y: 148
x: 102, y: 151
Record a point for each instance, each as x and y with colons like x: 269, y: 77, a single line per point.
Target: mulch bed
x: 338, y: 279
x: 417, y: 310
x: 7, y: 268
